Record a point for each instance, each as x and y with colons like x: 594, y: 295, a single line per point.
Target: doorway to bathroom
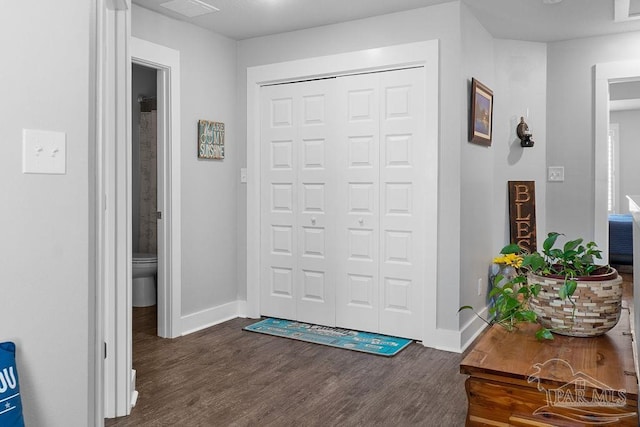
x: 165, y: 62
x: 144, y: 196
x: 144, y: 191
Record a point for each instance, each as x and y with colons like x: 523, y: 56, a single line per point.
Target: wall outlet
x: 555, y: 173
x: 480, y: 286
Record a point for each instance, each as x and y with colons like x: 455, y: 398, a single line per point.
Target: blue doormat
x: 382, y: 345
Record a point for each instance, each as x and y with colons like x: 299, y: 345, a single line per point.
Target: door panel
x: 315, y: 274
x: 296, y: 243
x: 403, y: 182
x: 279, y: 244
x: 357, y: 197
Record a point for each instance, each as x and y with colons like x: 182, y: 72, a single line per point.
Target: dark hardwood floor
x: 224, y: 376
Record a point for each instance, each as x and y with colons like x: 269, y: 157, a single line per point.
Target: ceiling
x: 530, y: 20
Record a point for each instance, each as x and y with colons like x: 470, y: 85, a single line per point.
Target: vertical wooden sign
x: 522, y: 214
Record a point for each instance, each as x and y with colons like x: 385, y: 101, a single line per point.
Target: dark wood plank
x: 225, y: 376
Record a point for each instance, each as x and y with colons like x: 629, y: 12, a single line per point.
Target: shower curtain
x: 147, y: 240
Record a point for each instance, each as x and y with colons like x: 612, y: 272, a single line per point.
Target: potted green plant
x: 577, y: 296
x: 563, y: 289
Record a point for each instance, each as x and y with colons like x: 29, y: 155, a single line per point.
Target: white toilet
x: 144, y: 267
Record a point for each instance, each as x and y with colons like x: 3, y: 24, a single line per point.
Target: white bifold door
x: 343, y: 235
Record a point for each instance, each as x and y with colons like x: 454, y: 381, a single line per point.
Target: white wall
x: 46, y: 272
x: 629, y: 154
x: 521, y: 80
x: 437, y: 22
x: 209, y: 187
x: 476, y: 193
x: 516, y: 72
x: 570, y: 137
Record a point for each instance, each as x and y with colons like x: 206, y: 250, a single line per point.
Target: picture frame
x: 481, y: 119
x: 210, y: 140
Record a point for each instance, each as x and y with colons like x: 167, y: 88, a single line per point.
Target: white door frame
x: 614, y: 135
x: 605, y: 74
x: 113, y: 225
x: 167, y: 62
x: 423, y: 54
x: 115, y: 387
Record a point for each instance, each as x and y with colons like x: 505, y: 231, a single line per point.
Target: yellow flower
x: 499, y: 260
x: 513, y: 260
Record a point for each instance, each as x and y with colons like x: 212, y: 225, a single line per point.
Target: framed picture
x: 481, y: 121
x: 210, y: 140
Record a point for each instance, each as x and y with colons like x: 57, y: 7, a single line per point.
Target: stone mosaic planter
x: 598, y: 302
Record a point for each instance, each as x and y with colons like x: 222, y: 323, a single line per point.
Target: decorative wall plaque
x: 210, y: 140
x: 522, y: 214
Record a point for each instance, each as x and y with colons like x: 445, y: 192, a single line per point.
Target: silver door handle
x: 313, y: 220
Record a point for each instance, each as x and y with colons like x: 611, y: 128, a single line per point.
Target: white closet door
x: 315, y: 277
x: 279, y: 201
x: 357, y: 196
x: 343, y: 233
x: 297, y: 179
x: 403, y: 184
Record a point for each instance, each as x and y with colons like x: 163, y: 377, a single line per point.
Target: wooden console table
x: 515, y: 380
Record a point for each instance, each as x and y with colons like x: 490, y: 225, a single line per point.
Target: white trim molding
x: 423, y: 54
x: 113, y: 224
x: 458, y: 341
x: 622, y: 11
x: 212, y: 316
x: 472, y: 329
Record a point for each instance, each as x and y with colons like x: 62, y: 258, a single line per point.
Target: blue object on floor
x: 382, y: 345
x: 10, y: 402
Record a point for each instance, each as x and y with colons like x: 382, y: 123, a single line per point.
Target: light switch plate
x: 555, y: 173
x: 243, y: 175
x: 44, y: 152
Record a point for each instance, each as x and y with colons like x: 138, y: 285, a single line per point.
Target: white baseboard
x: 445, y: 339
x: 134, y: 398
x: 242, y: 309
x: 134, y: 392
x: 473, y: 328
x: 458, y: 341
x: 212, y: 316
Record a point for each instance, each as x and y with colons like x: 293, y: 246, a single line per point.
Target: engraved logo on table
x: 583, y: 398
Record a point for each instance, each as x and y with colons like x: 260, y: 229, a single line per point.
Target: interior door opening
x: 617, y: 73
x: 145, y: 176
